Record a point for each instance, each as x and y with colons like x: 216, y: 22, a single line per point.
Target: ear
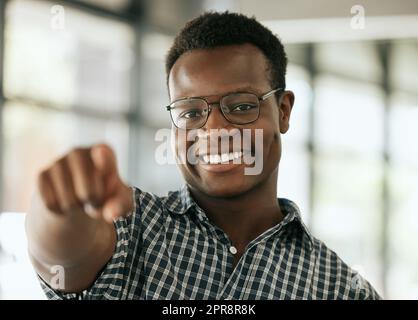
x: 285, y: 108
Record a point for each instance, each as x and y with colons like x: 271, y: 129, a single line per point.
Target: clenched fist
x: 86, y: 180
x: 82, y: 185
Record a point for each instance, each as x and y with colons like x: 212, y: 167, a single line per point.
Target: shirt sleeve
x: 362, y: 289
x: 112, y: 279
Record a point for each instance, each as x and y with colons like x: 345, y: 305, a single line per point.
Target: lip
x: 212, y: 152
x: 218, y: 168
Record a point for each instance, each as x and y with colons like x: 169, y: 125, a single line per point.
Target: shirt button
x: 232, y: 249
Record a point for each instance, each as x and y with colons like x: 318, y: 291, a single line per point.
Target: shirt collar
x: 292, y: 213
x: 180, y: 201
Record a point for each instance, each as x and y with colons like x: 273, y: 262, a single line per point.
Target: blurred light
x: 338, y: 29
x: 113, y: 5
x: 155, y: 45
x: 17, y: 277
x: 87, y: 63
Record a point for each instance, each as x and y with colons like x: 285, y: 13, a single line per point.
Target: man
x: 224, y: 235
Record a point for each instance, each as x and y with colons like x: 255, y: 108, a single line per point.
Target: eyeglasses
x: 237, y: 108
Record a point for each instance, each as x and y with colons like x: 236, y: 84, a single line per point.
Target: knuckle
x: 58, y: 165
x: 41, y: 181
x: 42, y: 176
x: 46, y: 192
x: 75, y: 153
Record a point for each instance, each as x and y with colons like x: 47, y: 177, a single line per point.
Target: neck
x: 244, y: 216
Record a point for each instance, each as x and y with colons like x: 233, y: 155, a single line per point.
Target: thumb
x: 119, y: 205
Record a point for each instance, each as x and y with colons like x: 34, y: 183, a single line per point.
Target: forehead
x: 209, y: 72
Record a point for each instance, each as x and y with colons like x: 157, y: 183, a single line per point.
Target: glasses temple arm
x: 268, y: 94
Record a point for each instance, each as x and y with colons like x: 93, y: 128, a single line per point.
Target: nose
x: 216, y: 119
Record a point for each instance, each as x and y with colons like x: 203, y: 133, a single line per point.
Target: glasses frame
x: 260, y: 98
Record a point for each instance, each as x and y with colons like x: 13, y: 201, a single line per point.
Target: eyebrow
x: 248, y: 89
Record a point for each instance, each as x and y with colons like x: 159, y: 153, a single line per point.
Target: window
x: 347, y: 164
x: 294, y: 165
x: 84, y: 65
x: 76, y: 91
x: 403, y: 190
x: 348, y: 171
x: 348, y: 116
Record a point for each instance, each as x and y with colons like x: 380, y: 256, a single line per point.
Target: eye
x: 190, y: 114
x: 243, y: 107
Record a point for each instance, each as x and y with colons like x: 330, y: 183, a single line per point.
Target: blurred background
x: 80, y: 72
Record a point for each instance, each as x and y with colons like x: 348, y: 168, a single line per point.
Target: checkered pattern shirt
x: 169, y: 249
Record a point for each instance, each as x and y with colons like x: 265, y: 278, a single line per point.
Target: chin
x: 224, y: 187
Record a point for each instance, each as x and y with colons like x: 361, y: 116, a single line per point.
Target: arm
x: 70, y: 221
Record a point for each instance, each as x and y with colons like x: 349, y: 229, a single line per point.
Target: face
x: 212, y: 74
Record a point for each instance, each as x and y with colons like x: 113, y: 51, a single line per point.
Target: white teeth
x: 214, y: 158
x: 223, y: 158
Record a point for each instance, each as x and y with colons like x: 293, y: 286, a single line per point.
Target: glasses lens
x: 241, y: 108
x: 189, y: 113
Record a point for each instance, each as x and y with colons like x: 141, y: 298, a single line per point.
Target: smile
x: 221, y: 158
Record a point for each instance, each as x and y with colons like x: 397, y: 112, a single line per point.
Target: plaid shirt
x: 169, y: 249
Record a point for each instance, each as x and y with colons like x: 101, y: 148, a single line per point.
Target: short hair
x: 214, y: 29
